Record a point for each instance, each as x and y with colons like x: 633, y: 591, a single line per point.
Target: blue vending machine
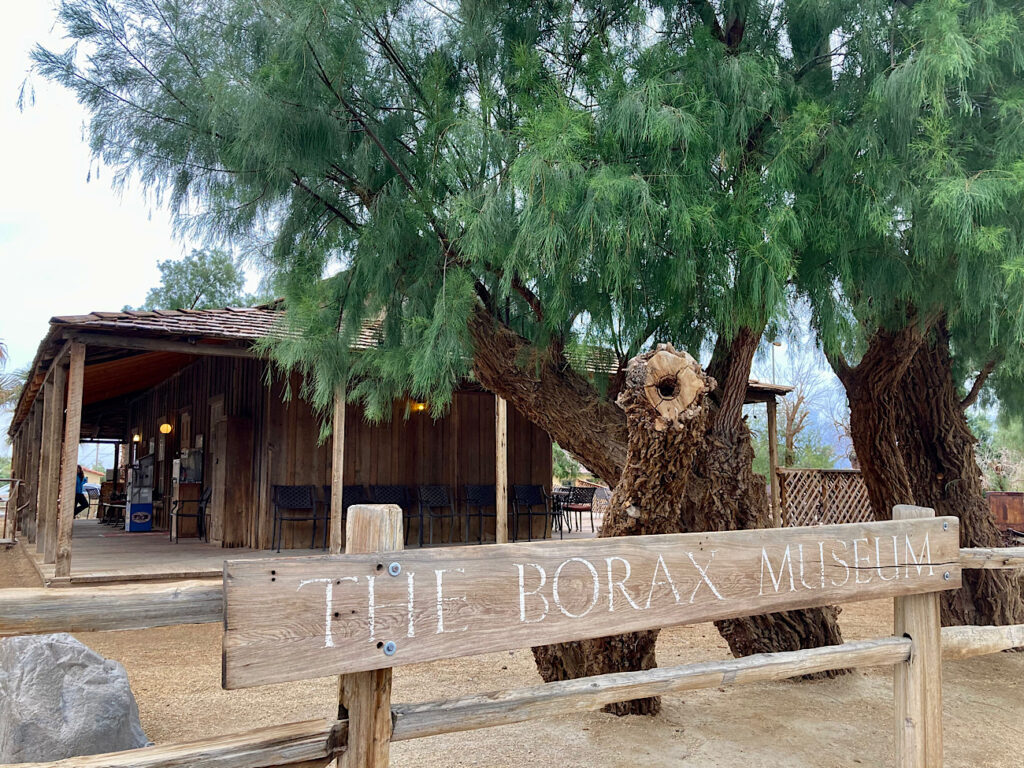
x: 139, y: 514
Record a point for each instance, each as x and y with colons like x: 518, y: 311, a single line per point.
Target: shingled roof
x: 240, y: 323
x: 233, y: 328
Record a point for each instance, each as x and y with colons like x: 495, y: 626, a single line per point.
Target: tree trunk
x: 914, y: 447
x: 725, y: 494
x: 871, y: 390
x: 664, y: 400
x: 721, y: 493
x: 938, y: 452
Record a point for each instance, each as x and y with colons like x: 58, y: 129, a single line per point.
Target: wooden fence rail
x: 927, y: 560
x: 315, y: 742
x: 36, y: 611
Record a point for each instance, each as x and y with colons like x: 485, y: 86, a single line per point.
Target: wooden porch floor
x: 100, y: 554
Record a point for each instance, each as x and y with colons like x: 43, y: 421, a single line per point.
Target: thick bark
x: 914, y: 447
x: 664, y: 400
x: 725, y: 494
x: 938, y: 452
x: 871, y: 389
x: 721, y: 492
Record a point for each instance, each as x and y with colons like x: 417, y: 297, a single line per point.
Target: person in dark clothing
x: 81, y: 500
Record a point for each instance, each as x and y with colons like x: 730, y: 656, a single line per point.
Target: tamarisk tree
x: 922, y: 179
x: 524, y: 191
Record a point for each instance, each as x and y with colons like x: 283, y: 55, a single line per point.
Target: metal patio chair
x: 579, y: 500
x: 477, y: 499
x: 435, y: 501
x: 297, y: 504
x: 201, y: 513
x: 526, y: 499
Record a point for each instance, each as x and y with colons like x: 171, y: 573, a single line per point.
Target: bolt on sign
x: 298, y: 618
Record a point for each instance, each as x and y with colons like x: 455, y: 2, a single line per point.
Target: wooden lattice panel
x: 823, y: 497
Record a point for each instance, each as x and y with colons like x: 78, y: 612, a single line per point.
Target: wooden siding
x: 455, y: 450
x: 283, y: 447
x: 239, y: 383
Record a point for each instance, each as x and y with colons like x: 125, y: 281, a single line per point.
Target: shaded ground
x: 175, y: 673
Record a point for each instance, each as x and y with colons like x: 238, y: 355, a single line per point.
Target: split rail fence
x: 378, y: 607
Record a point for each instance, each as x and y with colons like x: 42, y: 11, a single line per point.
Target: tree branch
x: 530, y: 297
x: 979, y: 383
x: 297, y: 180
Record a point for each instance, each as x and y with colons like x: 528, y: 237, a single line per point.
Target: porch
x: 106, y: 555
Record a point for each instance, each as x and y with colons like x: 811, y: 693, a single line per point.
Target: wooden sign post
x: 296, y: 618
x: 917, y: 683
x: 364, y: 698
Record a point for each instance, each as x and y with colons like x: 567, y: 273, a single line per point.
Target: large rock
x: 59, y: 698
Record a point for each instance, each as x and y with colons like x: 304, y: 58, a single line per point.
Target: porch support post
x: 49, y: 483
x: 338, y: 474
x: 43, y: 473
x: 500, y: 470
x: 72, y: 433
x: 773, y: 461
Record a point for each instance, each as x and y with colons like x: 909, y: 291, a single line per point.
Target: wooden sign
x: 298, y: 618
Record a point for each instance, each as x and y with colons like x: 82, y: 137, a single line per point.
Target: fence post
x: 917, y: 683
x: 364, y: 698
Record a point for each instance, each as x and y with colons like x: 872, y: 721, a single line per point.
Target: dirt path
x: 175, y: 673
x: 16, y: 570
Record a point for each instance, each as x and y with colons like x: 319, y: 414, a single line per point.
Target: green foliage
x: 911, y: 211
x: 205, y: 279
x: 565, y: 468
x: 585, y: 173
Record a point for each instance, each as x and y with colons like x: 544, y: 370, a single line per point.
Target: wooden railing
x: 916, y: 656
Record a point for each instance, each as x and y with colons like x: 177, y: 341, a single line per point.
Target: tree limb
x: 979, y: 383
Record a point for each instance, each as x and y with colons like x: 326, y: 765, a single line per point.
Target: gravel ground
x: 175, y: 673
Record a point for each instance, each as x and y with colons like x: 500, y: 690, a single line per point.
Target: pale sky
x: 67, y: 245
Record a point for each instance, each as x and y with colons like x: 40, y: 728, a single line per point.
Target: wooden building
x: 160, y: 383
x: 163, y: 383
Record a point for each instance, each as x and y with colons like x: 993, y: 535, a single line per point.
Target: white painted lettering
x: 786, y: 563
x: 856, y: 563
x: 371, y: 607
x: 846, y: 568
x: 821, y: 561
x: 878, y: 562
x: 621, y: 583
x: 704, y: 575
x: 925, y: 559
x: 596, y: 585
x: 441, y: 599
x: 655, y: 583
x: 800, y: 549
x: 329, y: 603
x: 523, y: 593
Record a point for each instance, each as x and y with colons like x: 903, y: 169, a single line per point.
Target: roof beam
x: 160, y: 345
